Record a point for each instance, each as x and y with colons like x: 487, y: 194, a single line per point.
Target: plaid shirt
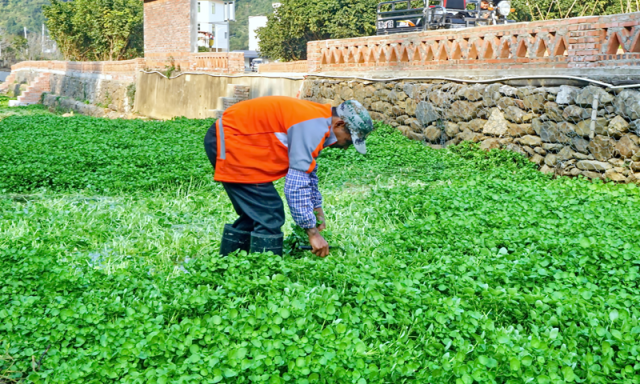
x: 303, y: 196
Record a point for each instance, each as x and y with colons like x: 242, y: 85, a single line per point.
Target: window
x: 198, y: 27
x: 198, y: 7
x: 213, y: 8
x: 225, y: 35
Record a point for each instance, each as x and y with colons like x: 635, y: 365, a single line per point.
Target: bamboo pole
x: 570, y: 8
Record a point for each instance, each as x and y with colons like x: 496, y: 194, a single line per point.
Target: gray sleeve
x: 305, y: 141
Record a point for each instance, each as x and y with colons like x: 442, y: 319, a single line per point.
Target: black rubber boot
x: 266, y: 243
x: 233, y: 239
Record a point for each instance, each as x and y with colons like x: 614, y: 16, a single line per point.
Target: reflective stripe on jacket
x: 260, y: 139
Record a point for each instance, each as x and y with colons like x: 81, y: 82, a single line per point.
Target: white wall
x: 211, y: 19
x: 255, y: 22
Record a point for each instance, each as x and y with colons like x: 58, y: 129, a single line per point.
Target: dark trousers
x: 259, y: 206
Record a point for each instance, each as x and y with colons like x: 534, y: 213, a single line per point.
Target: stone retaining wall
x: 566, y: 129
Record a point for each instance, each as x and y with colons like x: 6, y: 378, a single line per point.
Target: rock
x: 583, y: 128
x: 435, y: 146
x: 453, y: 141
x: 397, y: 111
x: 567, y: 128
x: 515, y: 148
x: 616, y: 162
x: 580, y: 144
x: 581, y: 156
x: 552, y: 147
x: 490, y: 144
x: 475, y: 125
x: 377, y: 116
x: 519, y: 130
x: 627, y: 104
x: 346, y: 93
x: 551, y: 160
x: 534, y: 102
x: 506, y: 102
x: 408, y: 132
x: 497, y: 124
x: 591, y: 175
x: 508, y: 90
x: 414, y: 124
x: 506, y: 140
x: 328, y: 93
x: 575, y: 113
x: 585, y: 96
x: 565, y: 154
x: 426, y: 113
x: 382, y: 94
x: 410, y: 107
x: 574, y: 172
x: 602, y: 148
x: 530, y: 151
x: 451, y: 129
x: 491, y: 95
x: 626, y: 147
x: 553, y: 111
x: 546, y: 169
x: 432, y: 134
x: 517, y: 115
x: 590, y: 165
x: 614, y: 176
x: 537, y: 159
x: 529, y: 140
x: 468, y: 135
x: 439, y: 99
x: 463, y: 110
x: 550, y: 132
x: 369, y: 91
x: 401, y: 120
x: 618, y: 127
x: 473, y: 93
x: 540, y: 151
x: 409, y: 89
x: 567, y: 94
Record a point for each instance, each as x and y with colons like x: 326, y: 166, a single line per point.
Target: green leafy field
x: 460, y: 266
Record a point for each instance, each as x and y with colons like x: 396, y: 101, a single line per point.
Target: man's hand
x: 318, y: 243
x: 320, y: 218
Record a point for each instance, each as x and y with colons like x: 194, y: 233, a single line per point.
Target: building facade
x: 213, y: 30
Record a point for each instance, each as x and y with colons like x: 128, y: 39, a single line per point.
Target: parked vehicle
x: 255, y: 64
x: 400, y: 16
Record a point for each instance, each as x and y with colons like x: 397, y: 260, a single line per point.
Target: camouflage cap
x: 358, y: 122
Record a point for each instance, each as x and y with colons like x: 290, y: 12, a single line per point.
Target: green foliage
x: 239, y: 37
x: 107, y: 154
x: 460, y: 266
x: 297, y: 22
x: 527, y: 10
x: 97, y: 30
x: 17, y: 14
x: 4, y: 101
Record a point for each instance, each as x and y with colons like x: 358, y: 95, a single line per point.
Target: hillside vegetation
x: 240, y: 28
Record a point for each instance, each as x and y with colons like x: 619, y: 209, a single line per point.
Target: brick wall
x: 169, y: 29
x: 586, y: 42
x: 291, y: 67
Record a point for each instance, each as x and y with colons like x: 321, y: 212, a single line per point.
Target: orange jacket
x: 260, y: 139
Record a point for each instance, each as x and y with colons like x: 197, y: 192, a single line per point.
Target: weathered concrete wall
x: 559, y: 127
x: 197, y: 95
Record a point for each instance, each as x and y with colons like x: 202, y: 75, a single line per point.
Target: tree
x: 97, y: 30
x: 297, y: 22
